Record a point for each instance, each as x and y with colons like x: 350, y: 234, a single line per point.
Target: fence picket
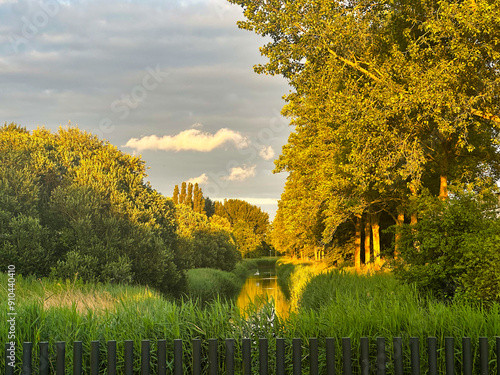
x: 330, y: 356
x: 483, y: 355
x: 415, y: 355
x: 398, y: 355
x: 346, y: 356
x: 263, y: 357
x: 94, y: 358
x: 77, y: 358
x: 60, y: 358
x: 313, y: 356
x: 449, y: 352
x: 129, y: 357
x: 467, y: 356
x: 27, y: 359
x: 145, y: 357
x: 162, y: 357
x: 381, y: 356
x: 280, y: 356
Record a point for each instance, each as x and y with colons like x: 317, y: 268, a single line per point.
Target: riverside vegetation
x: 331, y: 304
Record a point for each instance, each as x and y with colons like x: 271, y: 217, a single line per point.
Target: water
x: 263, y: 287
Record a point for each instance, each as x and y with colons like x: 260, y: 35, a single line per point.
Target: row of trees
x: 247, y: 224
x: 73, y: 205
x: 390, y: 100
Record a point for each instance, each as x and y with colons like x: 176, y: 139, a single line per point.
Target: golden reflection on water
x: 263, y: 288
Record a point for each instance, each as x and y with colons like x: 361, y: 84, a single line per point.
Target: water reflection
x: 263, y: 287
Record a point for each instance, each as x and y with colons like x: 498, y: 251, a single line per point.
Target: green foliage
x: 249, y: 225
x: 71, y: 204
x: 386, y: 99
x: 207, y: 284
x: 454, y: 249
x: 205, y: 243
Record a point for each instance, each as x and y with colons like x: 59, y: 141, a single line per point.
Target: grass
x: 332, y: 304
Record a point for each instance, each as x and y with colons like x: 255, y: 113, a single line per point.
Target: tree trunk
x: 399, y: 226
x: 368, y: 234
x: 413, y: 214
x: 357, y: 243
x: 376, y: 239
x: 443, y: 187
x: 443, y: 178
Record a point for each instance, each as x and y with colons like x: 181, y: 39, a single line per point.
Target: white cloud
x: 200, y: 180
x: 241, y: 173
x: 266, y: 152
x: 191, y: 139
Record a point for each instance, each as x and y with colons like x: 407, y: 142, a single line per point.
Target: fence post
x: 483, y: 355
x: 196, y: 356
x: 330, y: 356
x: 247, y: 356
x: 297, y: 356
x: 60, y: 358
x: 381, y: 356
x: 162, y: 357
x: 229, y: 356
x: 313, y: 356
x: 111, y: 357
x: 263, y: 357
x: 9, y: 370
x: 415, y: 355
x: 280, y: 356
x: 177, y: 357
x: 346, y: 356
x: 398, y: 355
x: 449, y: 352
x: 44, y: 358
x: 94, y: 357
x: 364, y: 357
x: 27, y: 357
x: 212, y: 356
x: 77, y: 358
x: 432, y: 355
x: 145, y: 357
x: 498, y: 354
x: 129, y: 357
x: 467, y: 355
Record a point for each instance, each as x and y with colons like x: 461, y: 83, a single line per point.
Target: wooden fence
x: 371, y: 361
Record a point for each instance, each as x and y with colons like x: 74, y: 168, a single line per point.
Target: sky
x: 170, y: 80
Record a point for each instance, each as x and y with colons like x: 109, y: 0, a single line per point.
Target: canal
x: 263, y: 286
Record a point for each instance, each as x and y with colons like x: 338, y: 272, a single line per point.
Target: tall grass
x: 333, y: 304
x: 339, y: 304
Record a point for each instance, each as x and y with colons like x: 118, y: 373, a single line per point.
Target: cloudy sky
x: 171, y: 80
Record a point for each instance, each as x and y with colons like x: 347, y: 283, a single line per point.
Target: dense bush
x: 454, y: 250
x: 71, y: 204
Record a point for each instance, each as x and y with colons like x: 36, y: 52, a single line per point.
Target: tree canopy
x: 71, y: 204
x: 389, y: 99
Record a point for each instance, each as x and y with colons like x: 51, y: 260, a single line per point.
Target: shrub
x: 454, y: 250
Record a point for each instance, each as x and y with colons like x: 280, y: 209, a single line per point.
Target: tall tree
x: 396, y: 91
x: 189, y: 197
x: 176, y: 194
x: 182, y: 197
